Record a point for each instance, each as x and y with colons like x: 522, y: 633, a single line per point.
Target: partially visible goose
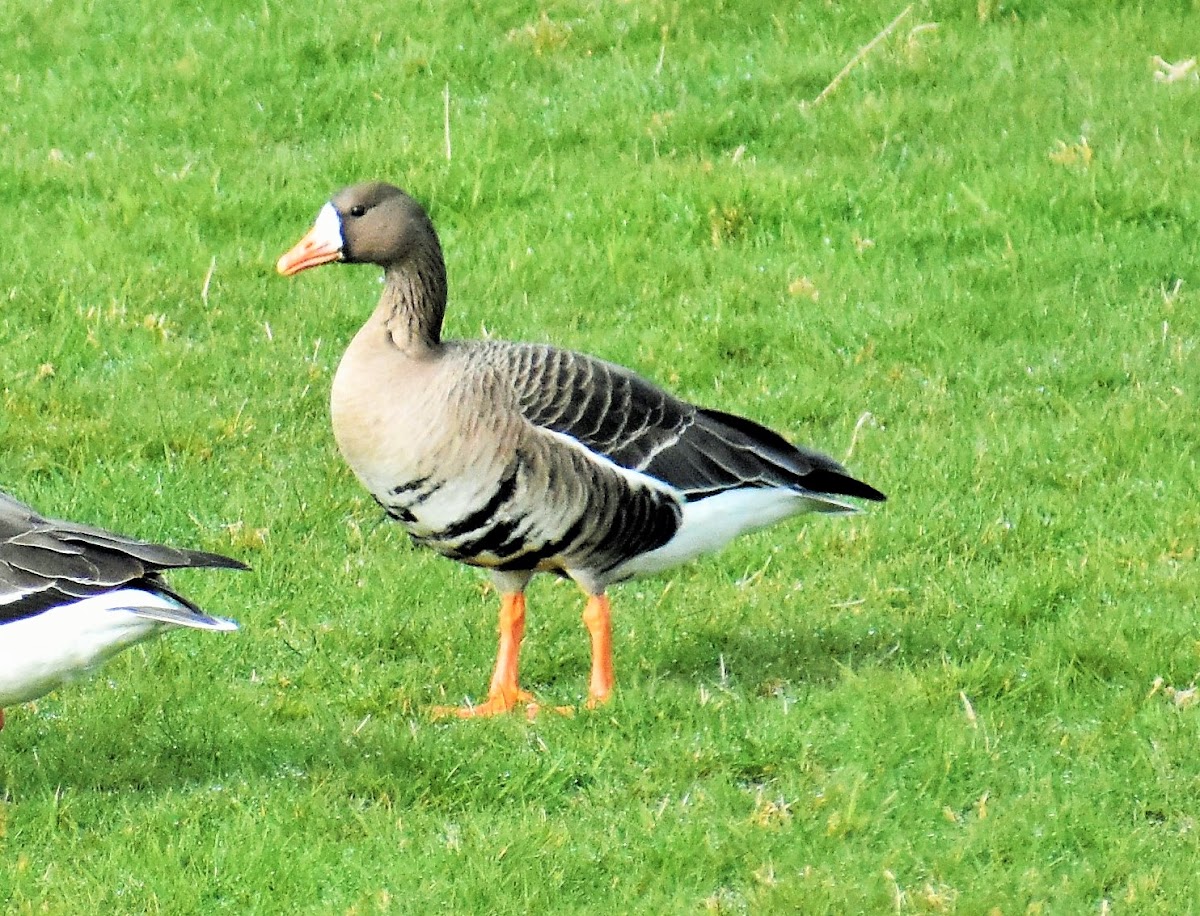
x: 522, y: 458
x: 73, y: 596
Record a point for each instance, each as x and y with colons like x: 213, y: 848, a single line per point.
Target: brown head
x: 370, y: 223
x: 377, y: 223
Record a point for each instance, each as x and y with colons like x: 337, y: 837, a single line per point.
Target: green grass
x: 946, y: 704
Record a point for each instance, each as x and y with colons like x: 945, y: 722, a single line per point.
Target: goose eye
x: 358, y: 210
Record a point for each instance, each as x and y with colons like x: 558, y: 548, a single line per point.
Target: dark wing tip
x: 823, y: 480
x: 826, y: 475
x: 205, y: 560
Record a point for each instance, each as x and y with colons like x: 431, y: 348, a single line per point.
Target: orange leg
x: 505, y: 693
x: 1, y: 718
x: 597, y: 617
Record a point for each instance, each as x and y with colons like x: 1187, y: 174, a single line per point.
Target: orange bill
x: 322, y: 244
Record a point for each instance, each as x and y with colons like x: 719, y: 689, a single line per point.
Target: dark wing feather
x: 607, y: 408
x: 639, y: 426
x: 44, y: 562
x: 720, y: 451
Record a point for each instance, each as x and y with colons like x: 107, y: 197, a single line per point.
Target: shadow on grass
x: 760, y: 658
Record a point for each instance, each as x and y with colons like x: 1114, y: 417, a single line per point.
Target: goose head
x: 371, y: 223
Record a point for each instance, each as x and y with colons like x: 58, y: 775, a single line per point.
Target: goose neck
x: 413, y: 304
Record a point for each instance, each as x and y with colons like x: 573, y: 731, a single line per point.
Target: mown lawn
x: 970, y: 270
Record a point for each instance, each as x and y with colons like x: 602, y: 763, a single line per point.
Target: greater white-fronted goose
x: 73, y: 596
x: 521, y: 458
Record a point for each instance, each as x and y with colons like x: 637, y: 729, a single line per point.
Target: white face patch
x: 327, y: 230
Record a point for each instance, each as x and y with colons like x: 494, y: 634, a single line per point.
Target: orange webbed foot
x: 504, y: 694
x: 498, y: 703
x: 506, y: 701
x: 595, y: 701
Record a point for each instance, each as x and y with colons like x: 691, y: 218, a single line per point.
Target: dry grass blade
x: 862, y: 52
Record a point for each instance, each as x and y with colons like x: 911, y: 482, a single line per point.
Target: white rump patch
x: 39, y: 654
x: 709, y: 524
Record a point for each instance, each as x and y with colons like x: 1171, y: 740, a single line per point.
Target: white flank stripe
x: 634, y: 477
